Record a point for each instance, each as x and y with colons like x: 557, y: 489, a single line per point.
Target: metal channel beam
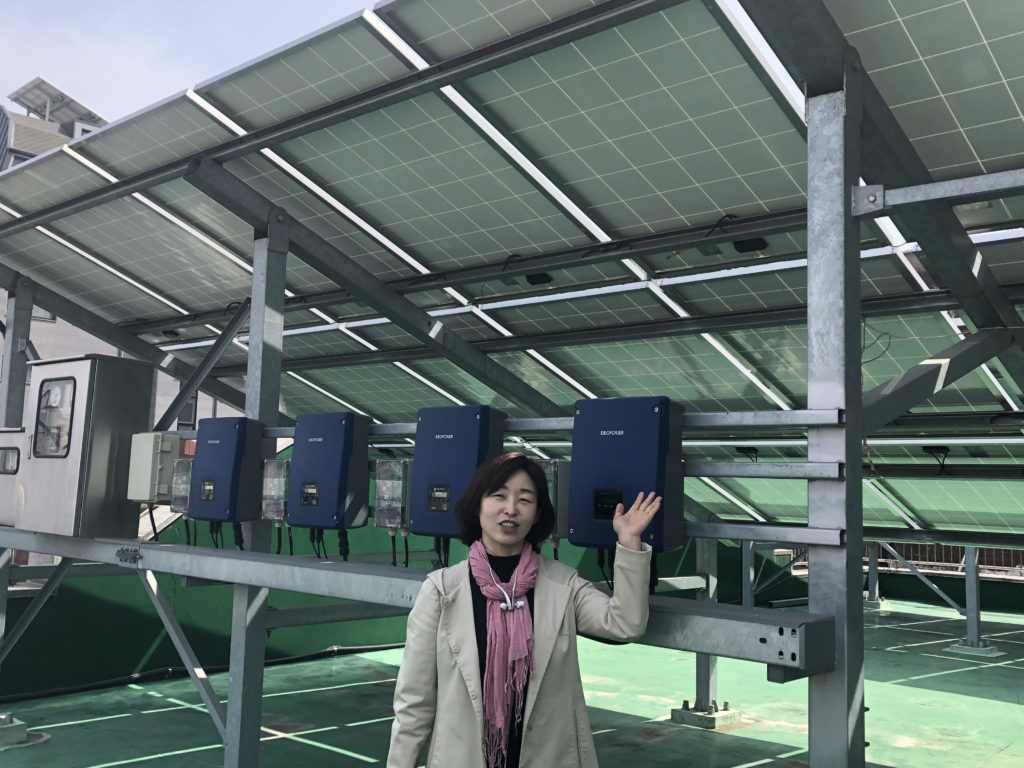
x: 946, y: 471
x: 797, y: 640
x: 800, y: 470
x: 210, y: 359
x: 237, y: 197
x: 897, y: 396
x: 811, y: 46
x: 874, y: 200
x: 751, y: 532
x: 184, y: 648
x: 546, y: 37
x: 989, y: 540
x: 803, y: 640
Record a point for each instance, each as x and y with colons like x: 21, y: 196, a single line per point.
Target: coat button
x: 446, y: 602
x: 456, y: 650
x: 473, y: 695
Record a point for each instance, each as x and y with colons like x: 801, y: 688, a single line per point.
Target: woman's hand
x: 631, y: 525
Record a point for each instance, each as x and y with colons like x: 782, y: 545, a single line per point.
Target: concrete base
x: 708, y: 720
x: 985, y: 650
x: 13, y: 732
x: 873, y: 605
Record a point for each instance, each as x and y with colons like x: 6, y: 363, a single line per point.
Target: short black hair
x: 487, y: 479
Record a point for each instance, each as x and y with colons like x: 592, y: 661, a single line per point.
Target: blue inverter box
x: 620, y: 447
x: 450, y: 444
x: 227, y: 471
x: 329, y: 484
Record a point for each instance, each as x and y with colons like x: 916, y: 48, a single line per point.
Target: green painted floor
x: 928, y: 708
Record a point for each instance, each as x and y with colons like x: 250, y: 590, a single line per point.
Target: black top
x: 503, y: 568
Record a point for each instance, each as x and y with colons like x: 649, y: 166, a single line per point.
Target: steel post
x: 707, y: 665
x: 972, y: 603
x: 836, y: 698
x: 16, y: 346
x: 873, y: 572
x: 748, y: 573
x: 262, y: 394
x: 6, y: 555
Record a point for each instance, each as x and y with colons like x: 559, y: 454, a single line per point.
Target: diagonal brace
x: 181, y: 644
x: 897, y: 396
x: 231, y: 192
x: 212, y: 357
x: 35, y: 607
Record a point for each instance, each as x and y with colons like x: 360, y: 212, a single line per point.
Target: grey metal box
x: 81, y: 415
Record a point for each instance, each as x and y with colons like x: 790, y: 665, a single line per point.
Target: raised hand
x: 631, y: 525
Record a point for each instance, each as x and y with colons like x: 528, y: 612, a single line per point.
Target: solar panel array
x: 660, y: 123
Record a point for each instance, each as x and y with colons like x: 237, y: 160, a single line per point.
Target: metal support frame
x: 707, y: 664
x: 875, y: 199
x: 835, y: 699
x: 800, y: 470
x: 184, y: 648
x: 6, y: 556
x: 191, y: 386
x: 972, y: 604
x: 34, y: 608
x: 753, y: 532
x: 16, y: 346
x: 232, y: 193
x: 262, y: 394
x: 928, y: 582
x: 783, y: 573
x: 307, y: 615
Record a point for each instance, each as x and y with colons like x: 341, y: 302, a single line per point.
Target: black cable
x: 446, y: 550
x: 554, y: 549
x: 195, y: 532
x: 343, y: 544
x: 405, y: 540
x: 437, y: 551
x: 394, y: 548
x: 279, y: 539
x: 213, y: 532
x: 152, y: 522
x: 312, y: 542
x: 291, y: 542
x: 320, y: 543
x: 188, y: 533
x: 239, y: 536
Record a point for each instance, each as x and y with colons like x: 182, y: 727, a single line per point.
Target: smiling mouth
x: 508, y: 525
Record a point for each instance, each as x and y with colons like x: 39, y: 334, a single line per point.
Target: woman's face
x: 507, y: 515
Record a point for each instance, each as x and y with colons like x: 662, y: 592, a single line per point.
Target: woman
x: 490, y: 674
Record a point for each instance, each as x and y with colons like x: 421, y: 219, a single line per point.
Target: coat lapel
x: 549, y: 603
x: 460, y: 631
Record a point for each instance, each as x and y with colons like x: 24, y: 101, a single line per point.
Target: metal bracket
x: 129, y: 555
x: 867, y: 200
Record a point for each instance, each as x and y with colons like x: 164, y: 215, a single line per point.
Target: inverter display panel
x: 450, y: 444
x: 227, y: 471
x: 329, y: 482
x: 620, y: 447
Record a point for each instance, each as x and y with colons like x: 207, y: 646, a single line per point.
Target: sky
x: 119, y: 56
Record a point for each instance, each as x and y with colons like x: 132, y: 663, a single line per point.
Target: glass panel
x: 10, y: 458
x: 53, y: 418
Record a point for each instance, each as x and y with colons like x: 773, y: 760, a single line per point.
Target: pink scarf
x: 509, y: 645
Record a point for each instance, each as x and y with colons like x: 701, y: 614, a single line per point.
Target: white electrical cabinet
x: 72, y: 457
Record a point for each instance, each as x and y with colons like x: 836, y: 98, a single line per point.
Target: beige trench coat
x: 439, y: 694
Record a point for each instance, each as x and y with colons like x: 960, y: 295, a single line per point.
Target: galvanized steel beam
x: 237, y: 197
x: 7, y: 643
x: 835, y: 578
x: 913, y: 387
